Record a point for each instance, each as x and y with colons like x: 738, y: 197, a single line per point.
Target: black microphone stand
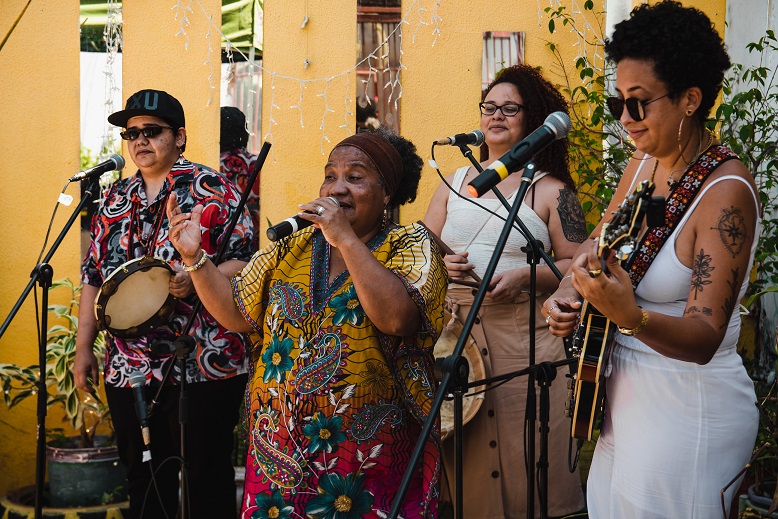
x: 534, y: 251
x: 184, y: 344
x: 43, y: 274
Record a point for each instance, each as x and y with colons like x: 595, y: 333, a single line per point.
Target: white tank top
x: 665, y: 286
x: 470, y: 228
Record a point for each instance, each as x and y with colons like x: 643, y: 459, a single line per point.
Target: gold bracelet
x: 637, y: 329
x: 198, y: 265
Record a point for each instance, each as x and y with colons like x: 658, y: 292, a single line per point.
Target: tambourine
x: 443, y: 348
x: 135, y: 299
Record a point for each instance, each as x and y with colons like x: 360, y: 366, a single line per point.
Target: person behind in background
x: 367, y: 115
x: 515, y: 104
x: 344, y: 316
x: 131, y: 223
x: 237, y: 162
x: 680, y: 419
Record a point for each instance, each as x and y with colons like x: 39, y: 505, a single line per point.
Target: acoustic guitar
x: 593, y: 337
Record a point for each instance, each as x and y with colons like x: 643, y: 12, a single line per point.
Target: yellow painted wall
x: 294, y: 168
x: 157, y: 56
x: 39, y: 79
x: 39, y: 106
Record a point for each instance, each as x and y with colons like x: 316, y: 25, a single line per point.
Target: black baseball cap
x: 150, y: 102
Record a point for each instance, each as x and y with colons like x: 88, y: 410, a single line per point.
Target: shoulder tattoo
x: 732, y: 230
x: 571, y: 215
x: 701, y: 272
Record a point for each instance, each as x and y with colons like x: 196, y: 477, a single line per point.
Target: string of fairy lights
x: 424, y: 15
x: 421, y: 14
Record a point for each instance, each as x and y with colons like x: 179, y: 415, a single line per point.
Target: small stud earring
x: 688, y: 112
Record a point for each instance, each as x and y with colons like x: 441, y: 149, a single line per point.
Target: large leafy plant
x: 83, y: 412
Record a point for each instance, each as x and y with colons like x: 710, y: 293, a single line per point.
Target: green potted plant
x: 83, y: 466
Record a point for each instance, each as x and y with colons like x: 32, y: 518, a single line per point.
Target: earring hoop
x: 680, y: 129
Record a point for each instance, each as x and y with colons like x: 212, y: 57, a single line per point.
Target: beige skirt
x: 494, y: 473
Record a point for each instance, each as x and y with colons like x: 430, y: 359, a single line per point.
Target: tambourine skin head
x: 443, y: 348
x: 135, y: 299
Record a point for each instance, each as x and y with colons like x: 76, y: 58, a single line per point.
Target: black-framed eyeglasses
x: 148, y: 132
x: 508, y: 110
x: 635, y: 107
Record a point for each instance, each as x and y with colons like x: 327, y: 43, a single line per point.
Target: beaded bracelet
x: 198, y: 265
x: 637, y: 329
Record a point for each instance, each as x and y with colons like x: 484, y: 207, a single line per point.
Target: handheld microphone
x: 115, y: 161
x: 138, y: 385
x: 291, y: 225
x: 474, y: 138
x: 556, y: 126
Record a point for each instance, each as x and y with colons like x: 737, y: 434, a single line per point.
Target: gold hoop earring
x: 680, y: 129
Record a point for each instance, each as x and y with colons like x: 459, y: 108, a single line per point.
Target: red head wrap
x: 382, y: 154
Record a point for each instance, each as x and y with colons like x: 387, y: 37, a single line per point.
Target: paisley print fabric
x: 126, y: 226
x: 336, y: 406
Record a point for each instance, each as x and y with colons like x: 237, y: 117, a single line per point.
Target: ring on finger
x: 552, y: 309
x: 595, y: 272
x: 548, y: 319
x: 320, y: 209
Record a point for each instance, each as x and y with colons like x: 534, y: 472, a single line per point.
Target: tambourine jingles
x: 135, y: 299
x: 445, y: 347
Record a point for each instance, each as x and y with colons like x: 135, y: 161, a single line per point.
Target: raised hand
x: 184, y: 230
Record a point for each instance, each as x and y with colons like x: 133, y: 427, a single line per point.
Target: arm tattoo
x: 731, y: 301
x: 732, y: 230
x: 701, y: 270
x: 695, y: 310
x: 571, y: 215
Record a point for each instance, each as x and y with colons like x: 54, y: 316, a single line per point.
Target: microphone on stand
x: 138, y: 385
x: 556, y: 126
x: 474, y: 138
x: 114, y: 162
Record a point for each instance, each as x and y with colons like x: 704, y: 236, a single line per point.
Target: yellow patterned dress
x: 335, y: 405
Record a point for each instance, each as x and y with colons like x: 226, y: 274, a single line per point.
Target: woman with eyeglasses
x: 680, y: 420
x: 130, y: 223
x: 515, y: 104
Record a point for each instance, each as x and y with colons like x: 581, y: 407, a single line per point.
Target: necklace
x: 671, y: 181
x: 653, y: 171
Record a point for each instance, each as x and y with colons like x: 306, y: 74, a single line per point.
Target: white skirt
x: 675, y: 434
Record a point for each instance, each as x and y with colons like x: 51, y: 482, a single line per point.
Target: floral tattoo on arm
x: 571, y: 215
x: 701, y: 272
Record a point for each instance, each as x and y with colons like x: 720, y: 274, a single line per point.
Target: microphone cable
x: 433, y: 164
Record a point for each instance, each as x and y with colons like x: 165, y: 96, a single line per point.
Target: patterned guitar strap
x: 679, y: 201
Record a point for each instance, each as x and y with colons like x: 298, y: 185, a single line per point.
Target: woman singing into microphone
x: 343, y: 316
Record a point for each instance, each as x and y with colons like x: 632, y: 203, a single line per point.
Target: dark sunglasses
x: 508, y: 110
x: 148, y: 132
x: 635, y: 107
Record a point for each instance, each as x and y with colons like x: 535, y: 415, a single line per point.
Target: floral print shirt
x: 335, y: 405
x: 237, y: 165
x: 126, y: 226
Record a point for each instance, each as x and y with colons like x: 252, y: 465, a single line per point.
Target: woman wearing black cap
x: 130, y: 223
